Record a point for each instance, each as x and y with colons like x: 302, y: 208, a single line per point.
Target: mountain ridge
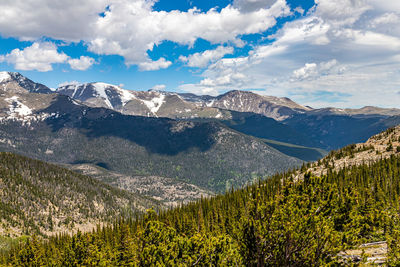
x: 278, y: 108
x: 65, y: 131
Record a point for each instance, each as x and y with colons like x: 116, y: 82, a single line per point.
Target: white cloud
x: 155, y: 65
x: 310, y: 69
x: 313, y: 71
x: 159, y: 87
x: 82, y: 63
x: 39, y: 56
x: 69, y: 83
x: 299, y: 10
x: 341, y: 12
x: 251, y: 5
x: 201, y: 60
x: 385, y: 19
x: 351, y: 55
x: 130, y: 28
x: 71, y: 20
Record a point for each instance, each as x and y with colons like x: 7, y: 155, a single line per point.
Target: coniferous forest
x: 277, y: 222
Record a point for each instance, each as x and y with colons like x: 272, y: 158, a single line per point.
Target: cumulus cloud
x: 71, y: 20
x: 251, y: 5
x: 39, y: 56
x: 341, y: 12
x: 159, y: 87
x: 162, y: 63
x: 346, y: 53
x: 69, y: 83
x: 82, y: 63
x: 312, y: 71
x: 131, y: 28
x: 201, y: 60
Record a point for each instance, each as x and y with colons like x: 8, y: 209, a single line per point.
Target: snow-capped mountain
x: 15, y: 78
x: 150, y: 103
x: 329, y: 128
x: 55, y: 127
x: 26, y: 101
x: 269, y: 106
x: 98, y: 94
x: 154, y: 103
x: 175, y: 105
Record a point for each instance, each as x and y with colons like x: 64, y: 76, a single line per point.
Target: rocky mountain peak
x: 14, y: 81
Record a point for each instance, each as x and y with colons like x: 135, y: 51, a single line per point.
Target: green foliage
x: 35, y: 195
x: 277, y: 222
x: 209, y: 154
x: 389, y: 147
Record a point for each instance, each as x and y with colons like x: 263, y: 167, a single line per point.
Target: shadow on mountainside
x: 157, y: 135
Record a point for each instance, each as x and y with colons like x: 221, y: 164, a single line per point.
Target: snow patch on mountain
x: 17, y: 108
x: 4, y: 76
x: 100, y: 89
x: 125, y: 95
x: 155, y: 103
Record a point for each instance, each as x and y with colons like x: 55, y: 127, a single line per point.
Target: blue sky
x: 343, y: 53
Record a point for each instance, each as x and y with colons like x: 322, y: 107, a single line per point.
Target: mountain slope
x: 61, y: 130
x: 41, y: 198
x: 174, y: 105
x: 11, y: 79
x: 315, y: 221
x: 269, y: 106
x: 142, y: 103
x: 326, y: 128
x: 335, y: 131
x: 377, y: 147
x: 185, y: 105
x: 276, y: 134
x: 205, y: 154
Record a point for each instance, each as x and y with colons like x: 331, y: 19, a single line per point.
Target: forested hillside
x: 44, y: 199
x: 208, y: 155
x: 277, y: 222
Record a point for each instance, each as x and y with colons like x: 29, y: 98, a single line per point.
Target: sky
x: 342, y: 53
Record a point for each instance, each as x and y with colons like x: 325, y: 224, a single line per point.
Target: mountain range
x: 303, y: 125
x: 189, y: 145
x: 197, y: 157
